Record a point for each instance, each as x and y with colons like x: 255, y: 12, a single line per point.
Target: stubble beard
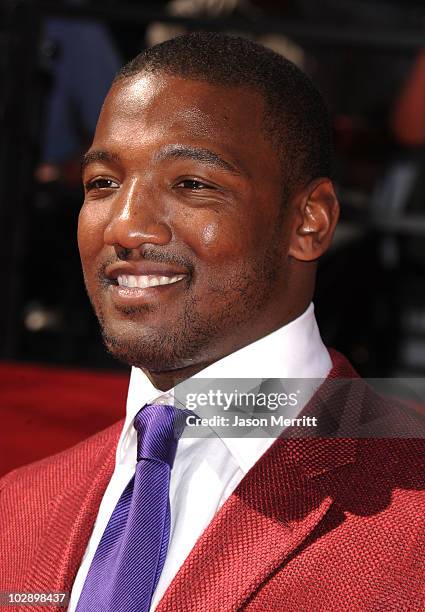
x: 242, y: 297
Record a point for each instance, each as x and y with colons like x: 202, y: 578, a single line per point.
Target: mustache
x: 146, y: 254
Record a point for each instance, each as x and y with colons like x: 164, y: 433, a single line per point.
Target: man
x: 208, y: 202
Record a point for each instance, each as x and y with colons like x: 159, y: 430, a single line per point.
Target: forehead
x: 147, y: 108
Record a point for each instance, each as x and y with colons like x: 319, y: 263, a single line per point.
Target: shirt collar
x: 295, y: 350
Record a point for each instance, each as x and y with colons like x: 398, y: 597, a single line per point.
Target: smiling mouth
x: 143, y: 281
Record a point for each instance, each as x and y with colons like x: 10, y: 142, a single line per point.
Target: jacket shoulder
x: 66, y: 468
x: 42, y: 503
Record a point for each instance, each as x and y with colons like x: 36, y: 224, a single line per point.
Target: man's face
x: 182, y: 188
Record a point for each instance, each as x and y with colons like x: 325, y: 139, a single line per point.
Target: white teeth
x: 147, y: 280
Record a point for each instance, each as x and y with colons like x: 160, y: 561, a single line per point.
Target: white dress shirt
x: 207, y: 470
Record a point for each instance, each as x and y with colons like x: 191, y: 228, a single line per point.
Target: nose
x: 137, y: 219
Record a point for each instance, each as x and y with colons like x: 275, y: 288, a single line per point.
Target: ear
x: 315, y: 215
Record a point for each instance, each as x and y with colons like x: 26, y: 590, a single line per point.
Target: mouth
x: 144, y: 281
x: 143, y: 290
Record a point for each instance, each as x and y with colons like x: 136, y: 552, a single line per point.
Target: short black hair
x: 295, y: 119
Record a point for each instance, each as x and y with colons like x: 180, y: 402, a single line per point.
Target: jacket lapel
x: 267, y: 518
x: 61, y: 548
x: 271, y: 513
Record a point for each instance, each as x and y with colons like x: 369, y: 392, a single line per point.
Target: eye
x: 193, y: 184
x: 101, y: 183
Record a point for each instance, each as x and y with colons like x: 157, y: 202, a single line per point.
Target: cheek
x: 90, y: 236
x: 209, y: 237
x: 220, y: 239
x: 216, y: 241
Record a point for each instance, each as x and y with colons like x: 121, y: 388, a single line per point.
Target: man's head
x: 208, y: 172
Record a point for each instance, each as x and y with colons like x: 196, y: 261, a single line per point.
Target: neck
x: 167, y: 379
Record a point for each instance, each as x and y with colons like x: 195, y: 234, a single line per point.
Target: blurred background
x: 57, y: 61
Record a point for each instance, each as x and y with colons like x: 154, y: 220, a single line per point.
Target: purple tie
x: 129, y: 559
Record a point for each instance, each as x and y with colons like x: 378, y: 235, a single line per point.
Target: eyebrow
x: 168, y: 152
x: 97, y: 156
x: 197, y: 154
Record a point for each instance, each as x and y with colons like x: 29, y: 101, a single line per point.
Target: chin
x: 134, y: 342
x: 172, y: 344
x: 153, y: 351
x: 134, y: 352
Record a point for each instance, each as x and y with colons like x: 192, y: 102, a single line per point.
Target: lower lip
x: 135, y: 296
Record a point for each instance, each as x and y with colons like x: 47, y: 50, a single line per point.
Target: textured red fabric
x: 317, y: 524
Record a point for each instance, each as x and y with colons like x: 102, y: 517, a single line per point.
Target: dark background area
x: 370, y: 298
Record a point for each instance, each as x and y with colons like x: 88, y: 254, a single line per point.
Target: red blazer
x: 317, y: 524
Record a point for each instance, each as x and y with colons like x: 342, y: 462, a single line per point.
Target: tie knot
x: 159, y: 428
